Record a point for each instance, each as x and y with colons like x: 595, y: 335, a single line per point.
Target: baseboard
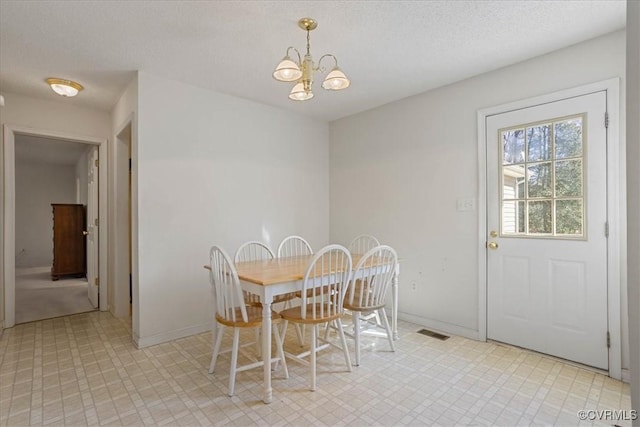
x: 142, y: 342
x: 438, y: 326
x: 626, y: 376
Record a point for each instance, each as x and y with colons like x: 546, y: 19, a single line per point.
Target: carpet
x: 38, y: 297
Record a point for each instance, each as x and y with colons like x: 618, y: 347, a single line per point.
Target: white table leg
x: 266, y: 349
x: 394, y: 290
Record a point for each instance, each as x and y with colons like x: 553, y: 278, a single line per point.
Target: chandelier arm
x: 298, y: 53
x: 322, y: 57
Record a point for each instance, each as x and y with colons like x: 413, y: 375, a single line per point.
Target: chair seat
x: 356, y: 307
x: 254, y: 318
x: 294, y: 314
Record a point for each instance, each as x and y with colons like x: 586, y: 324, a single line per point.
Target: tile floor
x: 84, y: 370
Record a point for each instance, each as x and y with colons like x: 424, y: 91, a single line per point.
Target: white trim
x: 9, y: 187
x: 447, y: 328
x: 120, y: 304
x: 170, y: 336
x: 612, y: 88
x: 626, y: 376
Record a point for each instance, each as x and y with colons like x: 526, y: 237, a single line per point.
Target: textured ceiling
x: 389, y: 49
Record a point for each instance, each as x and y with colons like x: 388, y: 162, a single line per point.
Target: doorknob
x: 492, y: 245
x: 85, y: 232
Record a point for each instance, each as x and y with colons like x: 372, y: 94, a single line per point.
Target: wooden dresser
x: 69, y: 253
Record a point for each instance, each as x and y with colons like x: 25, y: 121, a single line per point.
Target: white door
x: 92, y: 228
x: 546, y: 219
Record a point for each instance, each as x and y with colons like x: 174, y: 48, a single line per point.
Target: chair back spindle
x: 294, y: 246
x: 363, y: 243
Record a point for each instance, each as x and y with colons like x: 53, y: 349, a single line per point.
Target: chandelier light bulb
x: 287, y: 71
x: 336, y: 80
x: 299, y: 94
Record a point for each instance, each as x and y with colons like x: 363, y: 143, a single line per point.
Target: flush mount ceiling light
x: 301, y: 72
x: 64, y: 87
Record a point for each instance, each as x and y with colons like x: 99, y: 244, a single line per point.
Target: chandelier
x: 302, y: 71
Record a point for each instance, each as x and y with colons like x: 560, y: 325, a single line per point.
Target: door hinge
x: 129, y: 165
x: 97, y: 162
x: 608, y: 340
x: 97, y: 222
x: 97, y: 281
x: 606, y: 229
x: 606, y: 120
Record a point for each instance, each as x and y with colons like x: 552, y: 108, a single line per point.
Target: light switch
x: 464, y: 205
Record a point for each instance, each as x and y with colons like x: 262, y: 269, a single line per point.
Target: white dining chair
x: 232, y: 312
x: 294, y: 246
x: 363, y: 243
x: 369, y: 293
x: 255, y: 250
x: 324, y: 285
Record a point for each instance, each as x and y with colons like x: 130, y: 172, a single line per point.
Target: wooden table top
x: 278, y: 270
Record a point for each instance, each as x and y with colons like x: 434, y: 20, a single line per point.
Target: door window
x: 542, y: 179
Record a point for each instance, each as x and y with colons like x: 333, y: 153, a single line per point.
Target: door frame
x: 7, y: 260
x: 614, y: 213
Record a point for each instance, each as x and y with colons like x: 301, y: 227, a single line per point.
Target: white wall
x: 215, y: 169
x: 419, y: 155
x: 38, y: 185
x: 633, y: 194
x: 63, y: 116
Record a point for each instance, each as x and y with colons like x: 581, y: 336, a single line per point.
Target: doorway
x: 549, y: 260
x: 9, y: 209
x: 52, y: 183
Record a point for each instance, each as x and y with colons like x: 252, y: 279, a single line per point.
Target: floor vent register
x: 433, y: 334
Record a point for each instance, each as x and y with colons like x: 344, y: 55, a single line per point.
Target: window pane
x: 539, y: 143
x: 513, y: 217
x: 513, y: 182
x: 540, y: 218
x: 569, y: 217
x: 513, y: 146
x: 540, y: 180
x: 569, y: 178
x: 568, y: 138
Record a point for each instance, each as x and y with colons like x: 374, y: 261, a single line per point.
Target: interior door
x: 92, y: 228
x: 546, y: 219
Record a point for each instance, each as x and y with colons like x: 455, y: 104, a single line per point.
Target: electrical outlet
x: 414, y: 286
x: 465, y: 204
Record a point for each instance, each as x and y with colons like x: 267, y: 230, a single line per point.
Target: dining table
x: 278, y: 276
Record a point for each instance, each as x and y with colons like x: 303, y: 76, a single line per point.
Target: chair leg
x: 300, y: 333
x: 216, y: 347
x: 303, y: 328
x: 383, y: 315
x: 280, y: 351
x: 314, y: 335
x: 345, y: 349
x: 234, y: 360
x: 355, y: 316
